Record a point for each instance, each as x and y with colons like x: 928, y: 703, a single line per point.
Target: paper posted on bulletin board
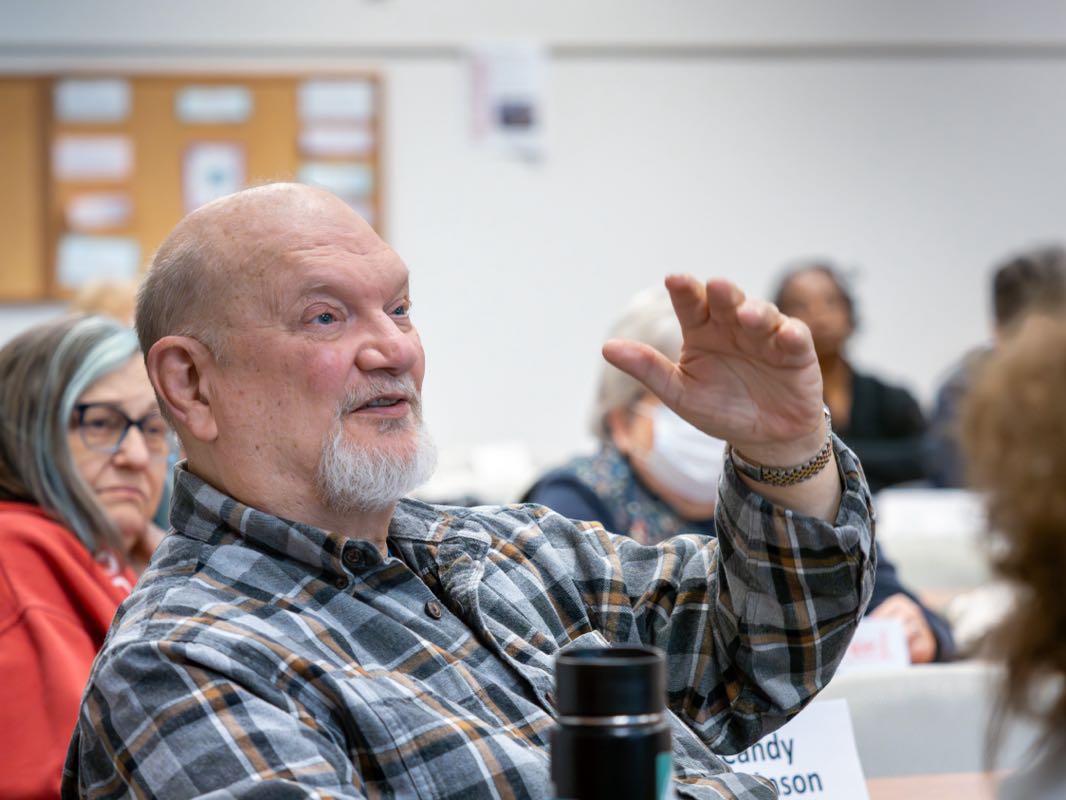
x: 211, y: 170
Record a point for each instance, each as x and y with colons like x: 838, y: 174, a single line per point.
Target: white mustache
x: 377, y: 386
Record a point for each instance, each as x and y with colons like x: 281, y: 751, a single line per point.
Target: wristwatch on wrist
x: 787, y: 476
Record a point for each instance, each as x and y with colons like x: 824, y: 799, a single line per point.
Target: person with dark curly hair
x: 881, y: 422
x: 1015, y: 446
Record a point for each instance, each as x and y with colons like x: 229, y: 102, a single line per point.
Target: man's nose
x: 389, y: 348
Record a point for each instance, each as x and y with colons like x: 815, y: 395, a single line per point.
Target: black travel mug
x: 612, y: 741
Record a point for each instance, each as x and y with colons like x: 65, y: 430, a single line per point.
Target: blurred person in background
x: 654, y: 476
x: 110, y: 297
x: 117, y: 298
x: 83, y: 455
x: 1015, y: 446
x: 1030, y: 280
x: 882, y: 423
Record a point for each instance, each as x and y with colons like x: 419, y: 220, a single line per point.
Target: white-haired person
x: 83, y: 456
x: 306, y: 630
x: 654, y: 476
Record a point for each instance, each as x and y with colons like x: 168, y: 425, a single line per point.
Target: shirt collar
x: 202, y: 512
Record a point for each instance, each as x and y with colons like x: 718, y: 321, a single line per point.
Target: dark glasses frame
x: 80, y: 410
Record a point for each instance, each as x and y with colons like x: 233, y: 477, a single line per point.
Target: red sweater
x: 56, y: 603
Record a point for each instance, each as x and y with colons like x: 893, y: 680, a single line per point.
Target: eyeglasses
x: 103, y: 427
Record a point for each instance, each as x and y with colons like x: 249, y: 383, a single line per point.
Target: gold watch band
x: 787, y: 476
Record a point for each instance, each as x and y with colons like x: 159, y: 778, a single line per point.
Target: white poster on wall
x: 508, y: 98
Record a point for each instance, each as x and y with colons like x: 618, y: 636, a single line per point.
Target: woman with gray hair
x: 655, y: 476
x: 78, y: 488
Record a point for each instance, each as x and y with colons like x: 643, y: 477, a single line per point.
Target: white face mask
x: 683, y: 458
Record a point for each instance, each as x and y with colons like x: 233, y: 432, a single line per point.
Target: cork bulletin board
x: 97, y: 169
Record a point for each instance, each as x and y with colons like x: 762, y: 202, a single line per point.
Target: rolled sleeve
x: 755, y: 622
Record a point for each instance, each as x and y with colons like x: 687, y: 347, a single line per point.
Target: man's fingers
x: 759, y: 316
x: 723, y: 296
x: 646, y: 364
x: 689, y: 300
x: 794, y: 337
x: 761, y: 324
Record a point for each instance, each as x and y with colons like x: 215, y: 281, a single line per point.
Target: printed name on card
x: 813, y: 755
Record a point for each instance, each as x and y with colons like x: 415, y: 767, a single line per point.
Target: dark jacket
x: 604, y: 488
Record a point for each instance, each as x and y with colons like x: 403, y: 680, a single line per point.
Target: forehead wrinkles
x: 319, y: 259
x: 333, y: 240
x: 250, y: 247
x: 268, y: 243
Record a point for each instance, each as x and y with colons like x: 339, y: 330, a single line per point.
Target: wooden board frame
x: 33, y: 199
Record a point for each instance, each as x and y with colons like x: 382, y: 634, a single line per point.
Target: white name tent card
x: 877, y: 644
x: 813, y: 755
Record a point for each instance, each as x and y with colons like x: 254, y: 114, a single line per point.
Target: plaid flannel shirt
x: 265, y: 658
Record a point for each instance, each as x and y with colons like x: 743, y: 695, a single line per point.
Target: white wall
x: 917, y: 142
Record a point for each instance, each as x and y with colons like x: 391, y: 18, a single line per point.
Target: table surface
x: 950, y: 786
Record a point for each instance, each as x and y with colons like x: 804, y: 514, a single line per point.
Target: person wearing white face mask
x: 655, y: 476
x: 683, y: 460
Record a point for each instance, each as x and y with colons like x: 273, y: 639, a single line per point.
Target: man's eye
x: 325, y: 318
x: 402, y: 310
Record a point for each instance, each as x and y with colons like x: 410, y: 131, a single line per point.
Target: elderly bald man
x: 305, y: 631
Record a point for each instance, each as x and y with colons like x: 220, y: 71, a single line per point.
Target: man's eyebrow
x: 403, y: 288
x: 317, y: 288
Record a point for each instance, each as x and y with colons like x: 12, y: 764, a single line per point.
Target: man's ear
x: 180, y: 368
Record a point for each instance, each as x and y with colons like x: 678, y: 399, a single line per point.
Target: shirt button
x: 433, y: 609
x: 353, y: 556
x: 341, y: 583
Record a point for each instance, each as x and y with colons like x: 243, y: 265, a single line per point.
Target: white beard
x: 353, y: 478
